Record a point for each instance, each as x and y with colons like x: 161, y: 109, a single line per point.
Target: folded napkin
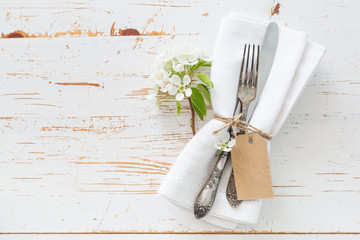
x: 295, y: 60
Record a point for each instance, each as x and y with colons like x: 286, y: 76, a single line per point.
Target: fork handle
x: 207, y: 195
x: 244, y: 106
x: 231, y: 194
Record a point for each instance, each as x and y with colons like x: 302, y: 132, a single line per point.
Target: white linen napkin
x: 295, y: 60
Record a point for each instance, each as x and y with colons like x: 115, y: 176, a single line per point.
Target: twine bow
x: 236, y: 123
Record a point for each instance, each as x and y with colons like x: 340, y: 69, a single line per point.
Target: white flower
x: 178, y: 67
x: 175, y: 62
x: 159, y: 78
x: 223, y: 141
x: 185, y: 54
x: 180, y: 89
x: 204, y: 56
x: 172, y: 89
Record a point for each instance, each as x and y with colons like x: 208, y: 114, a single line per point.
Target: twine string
x: 236, y: 124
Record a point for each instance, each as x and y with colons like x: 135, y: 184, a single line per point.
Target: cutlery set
x: 255, y: 68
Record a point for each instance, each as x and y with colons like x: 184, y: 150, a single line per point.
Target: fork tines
x: 248, y: 76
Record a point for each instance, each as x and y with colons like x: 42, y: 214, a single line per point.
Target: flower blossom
x: 223, y: 141
x: 180, y: 88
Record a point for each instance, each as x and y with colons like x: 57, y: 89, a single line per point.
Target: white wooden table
x: 80, y: 154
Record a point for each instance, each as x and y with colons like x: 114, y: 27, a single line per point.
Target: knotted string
x: 236, y: 123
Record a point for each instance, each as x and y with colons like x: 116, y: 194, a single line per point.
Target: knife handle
x: 207, y: 195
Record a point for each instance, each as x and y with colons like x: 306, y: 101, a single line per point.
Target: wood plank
x: 105, y: 18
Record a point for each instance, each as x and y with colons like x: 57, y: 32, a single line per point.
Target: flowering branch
x: 192, y: 118
x: 177, y: 74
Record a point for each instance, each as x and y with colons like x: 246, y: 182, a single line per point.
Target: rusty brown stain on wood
x: 24, y: 98
x: 112, y: 31
x: 150, y: 20
x: 42, y: 104
x: 134, y: 32
x: 123, y: 32
x: 122, y: 163
x: 138, y: 40
x: 18, y: 74
x: 138, y: 92
x: 17, y: 94
x: 75, y: 32
x: 128, y: 32
x: 275, y: 10
x: 78, y: 84
x: 74, y: 129
x: 140, y: 172
x: 114, y: 127
x: 152, y: 161
x: 15, y: 34
x: 144, y: 168
x: 6, y: 118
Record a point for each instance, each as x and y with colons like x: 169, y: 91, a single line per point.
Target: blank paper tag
x: 251, y: 167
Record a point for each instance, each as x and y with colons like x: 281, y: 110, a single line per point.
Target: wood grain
x: 81, y: 153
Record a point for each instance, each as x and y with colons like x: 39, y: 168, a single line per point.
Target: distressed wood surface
x: 80, y: 151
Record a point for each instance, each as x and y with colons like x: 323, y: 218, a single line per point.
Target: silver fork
x: 246, y: 94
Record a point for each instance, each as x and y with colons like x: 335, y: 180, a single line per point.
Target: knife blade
x: 267, y: 55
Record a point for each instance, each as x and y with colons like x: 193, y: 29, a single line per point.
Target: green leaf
x: 205, y: 79
x: 198, y: 112
x: 205, y: 92
x: 194, y: 66
x: 206, y: 64
x: 178, y: 108
x: 197, y: 100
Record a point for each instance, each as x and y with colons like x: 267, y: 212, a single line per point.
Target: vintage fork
x: 246, y: 93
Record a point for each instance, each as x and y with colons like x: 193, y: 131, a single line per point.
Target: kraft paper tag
x: 251, y: 167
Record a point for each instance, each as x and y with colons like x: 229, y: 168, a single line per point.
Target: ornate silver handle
x: 231, y: 194
x: 207, y: 195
